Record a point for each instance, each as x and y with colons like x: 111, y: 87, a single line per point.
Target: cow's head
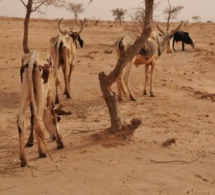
x: 74, y: 35
x: 165, y: 36
x: 188, y: 40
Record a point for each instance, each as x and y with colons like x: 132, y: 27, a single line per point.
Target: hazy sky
x: 101, y: 9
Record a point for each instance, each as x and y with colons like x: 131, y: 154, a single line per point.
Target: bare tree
x: 35, y: 6
x: 119, y: 14
x: 171, y: 12
x: 196, y: 18
x: 75, y: 8
x: 106, y: 81
x: 138, y: 14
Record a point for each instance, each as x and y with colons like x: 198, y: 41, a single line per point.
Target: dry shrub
x: 205, y: 95
x: 91, y: 54
x: 169, y: 142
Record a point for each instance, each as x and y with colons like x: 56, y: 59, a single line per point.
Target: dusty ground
x: 182, y: 111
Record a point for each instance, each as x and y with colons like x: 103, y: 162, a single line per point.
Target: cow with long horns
x: 63, y: 51
x: 148, y: 55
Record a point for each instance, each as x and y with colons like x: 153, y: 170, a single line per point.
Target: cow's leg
x: 119, y: 89
x: 30, y: 142
x: 122, y: 88
x: 38, y: 126
x: 51, y: 121
x: 57, y: 100
x: 173, y: 45
x: 151, y: 79
x: 66, y: 80
x: 183, y: 46
x: 146, y: 79
x: 54, y: 132
x: 41, y: 139
x: 21, y: 125
x: 71, y: 67
x: 127, y: 83
x: 57, y: 85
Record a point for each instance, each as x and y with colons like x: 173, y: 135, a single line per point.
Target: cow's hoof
x: 144, y: 93
x: 68, y: 96
x: 52, y: 137
x: 29, y: 144
x: 42, y: 155
x: 57, y: 102
x: 133, y: 99
x: 23, y: 163
x: 60, y: 146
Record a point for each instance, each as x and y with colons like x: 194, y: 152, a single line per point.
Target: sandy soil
x: 182, y: 113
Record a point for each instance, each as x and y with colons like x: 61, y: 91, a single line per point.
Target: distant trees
x: 75, y: 8
x: 138, y: 14
x: 196, y: 18
x: 119, y: 14
x: 171, y: 12
x: 34, y: 6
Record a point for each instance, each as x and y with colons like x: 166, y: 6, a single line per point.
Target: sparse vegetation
x: 75, y: 8
x: 119, y: 14
x: 35, y: 6
x: 171, y: 12
x: 196, y: 18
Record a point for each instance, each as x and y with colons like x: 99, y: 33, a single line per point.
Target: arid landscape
x: 171, y: 153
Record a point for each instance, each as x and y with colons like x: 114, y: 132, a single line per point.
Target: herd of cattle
x: 41, y: 79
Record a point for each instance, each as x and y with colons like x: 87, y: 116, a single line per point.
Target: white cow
x: 63, y: 52
x: 152, y: 49
x: 38, y: 81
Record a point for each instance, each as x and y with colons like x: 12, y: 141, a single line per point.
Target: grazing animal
x: 74, y: 35
x: 184, y: 38
x: 63, y: 52
x: 37, y: 83
x: 147, y: 55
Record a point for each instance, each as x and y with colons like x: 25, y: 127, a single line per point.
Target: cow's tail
x: 31, y: 64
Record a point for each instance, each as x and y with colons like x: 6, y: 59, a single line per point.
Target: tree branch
x: 23, y: 3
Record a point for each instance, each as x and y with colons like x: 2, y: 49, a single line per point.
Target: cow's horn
x: 160, y: 29
x: 179, y: 26
x: 82, y: 26
x: 59, y: 27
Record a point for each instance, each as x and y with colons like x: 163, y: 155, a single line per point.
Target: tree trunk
x: 106, y: 81
x: 26, y: 27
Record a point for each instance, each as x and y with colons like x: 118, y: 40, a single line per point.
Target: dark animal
x: 184, y: 38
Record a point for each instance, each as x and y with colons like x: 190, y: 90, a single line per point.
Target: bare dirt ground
x: 172, y: 152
